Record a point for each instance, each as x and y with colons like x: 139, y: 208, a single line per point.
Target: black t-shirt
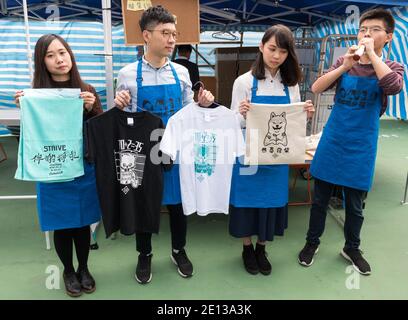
x: 128, y: 176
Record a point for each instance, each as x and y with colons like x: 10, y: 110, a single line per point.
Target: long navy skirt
x: 262, y: 222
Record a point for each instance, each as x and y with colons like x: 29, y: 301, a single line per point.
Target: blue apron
x: 73, y: 204
x: 348, y: 147
x: 268, y: 187
x: 68, y: 204
x: 164, y: 101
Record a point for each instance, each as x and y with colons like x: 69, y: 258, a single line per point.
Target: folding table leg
x: 47, y: 240
x: 3, y: 154
x: 404, y: 201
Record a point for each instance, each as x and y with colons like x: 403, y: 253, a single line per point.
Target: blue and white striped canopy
x: 85, y: 38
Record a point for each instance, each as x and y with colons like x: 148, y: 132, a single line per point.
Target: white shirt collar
x: 182, y: 57
x: 269, y: 75
x: 153, y: 67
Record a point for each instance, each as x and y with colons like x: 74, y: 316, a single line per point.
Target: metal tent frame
x: 214, y: 14
x: 225, y: 15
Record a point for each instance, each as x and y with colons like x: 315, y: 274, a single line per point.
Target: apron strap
x: 254, y: 88
x: 286, y: 89
x: 139, y: 78
x: 173, y: 70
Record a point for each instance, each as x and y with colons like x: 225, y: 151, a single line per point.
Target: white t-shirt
x: 207, y: 142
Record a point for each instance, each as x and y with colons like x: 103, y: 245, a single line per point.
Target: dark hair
x: 290, y: 70
x: 185, y: 48
x: 42, y: 77
x: 380, y: 14
x: 155, y: 15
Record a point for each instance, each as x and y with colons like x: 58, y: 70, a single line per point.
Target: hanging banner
x: 275, y: 134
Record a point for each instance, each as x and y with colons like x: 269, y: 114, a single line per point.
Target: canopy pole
x: 27, y: 30
x: 107, y: 31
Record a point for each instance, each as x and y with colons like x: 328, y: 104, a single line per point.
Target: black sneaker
x: 87, y: 281
x: 94, y: 246
x: 144, y: 269
x: 72, y: 284
x: 180, y: 259
x: 249, y: 257
x: 305, y: 257
x: 261, y: 258
x: 356, y: 258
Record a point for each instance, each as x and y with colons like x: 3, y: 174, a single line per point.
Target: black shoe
x: 144, y: 269
x: 87, y: 281
x: 305, y: 257
x: 72, y: 284
x: 94, y: 246
x: 356, y: 258
x: 250, y: 263
x: 180, y: 259
x: 261, y: 258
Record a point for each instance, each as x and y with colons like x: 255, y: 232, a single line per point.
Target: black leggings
x: 63, y: 245
x: 178, y: 229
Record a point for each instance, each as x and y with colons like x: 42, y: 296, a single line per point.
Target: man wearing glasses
x: 155, y: 84
x: 347, y: 150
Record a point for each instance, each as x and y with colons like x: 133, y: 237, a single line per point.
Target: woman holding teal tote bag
x: 67, y: 208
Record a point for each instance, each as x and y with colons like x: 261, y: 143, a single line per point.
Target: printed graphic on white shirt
x: 129, y: 164
x: 276, y: 134
x: 205, y: 154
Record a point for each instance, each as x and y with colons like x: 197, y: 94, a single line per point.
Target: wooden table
x: 305, y: 166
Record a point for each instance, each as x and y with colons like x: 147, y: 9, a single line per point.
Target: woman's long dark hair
x: 289, y: 69
x: 42, y: 77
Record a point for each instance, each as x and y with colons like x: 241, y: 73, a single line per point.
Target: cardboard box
x: 230, y: 63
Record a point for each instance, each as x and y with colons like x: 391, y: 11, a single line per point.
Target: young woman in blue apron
x: 259, y: 201
x: 347, y: 150
x: 162, y: 99
x: 67, y: 208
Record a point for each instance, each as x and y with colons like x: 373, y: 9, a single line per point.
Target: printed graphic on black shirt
x: 129, y: 164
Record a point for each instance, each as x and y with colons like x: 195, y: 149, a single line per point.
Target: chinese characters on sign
x: 137, y: 5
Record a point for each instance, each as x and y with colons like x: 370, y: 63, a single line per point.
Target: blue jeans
x: 354, y: 213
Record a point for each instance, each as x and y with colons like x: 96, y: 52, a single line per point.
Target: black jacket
x: 192, y: 71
